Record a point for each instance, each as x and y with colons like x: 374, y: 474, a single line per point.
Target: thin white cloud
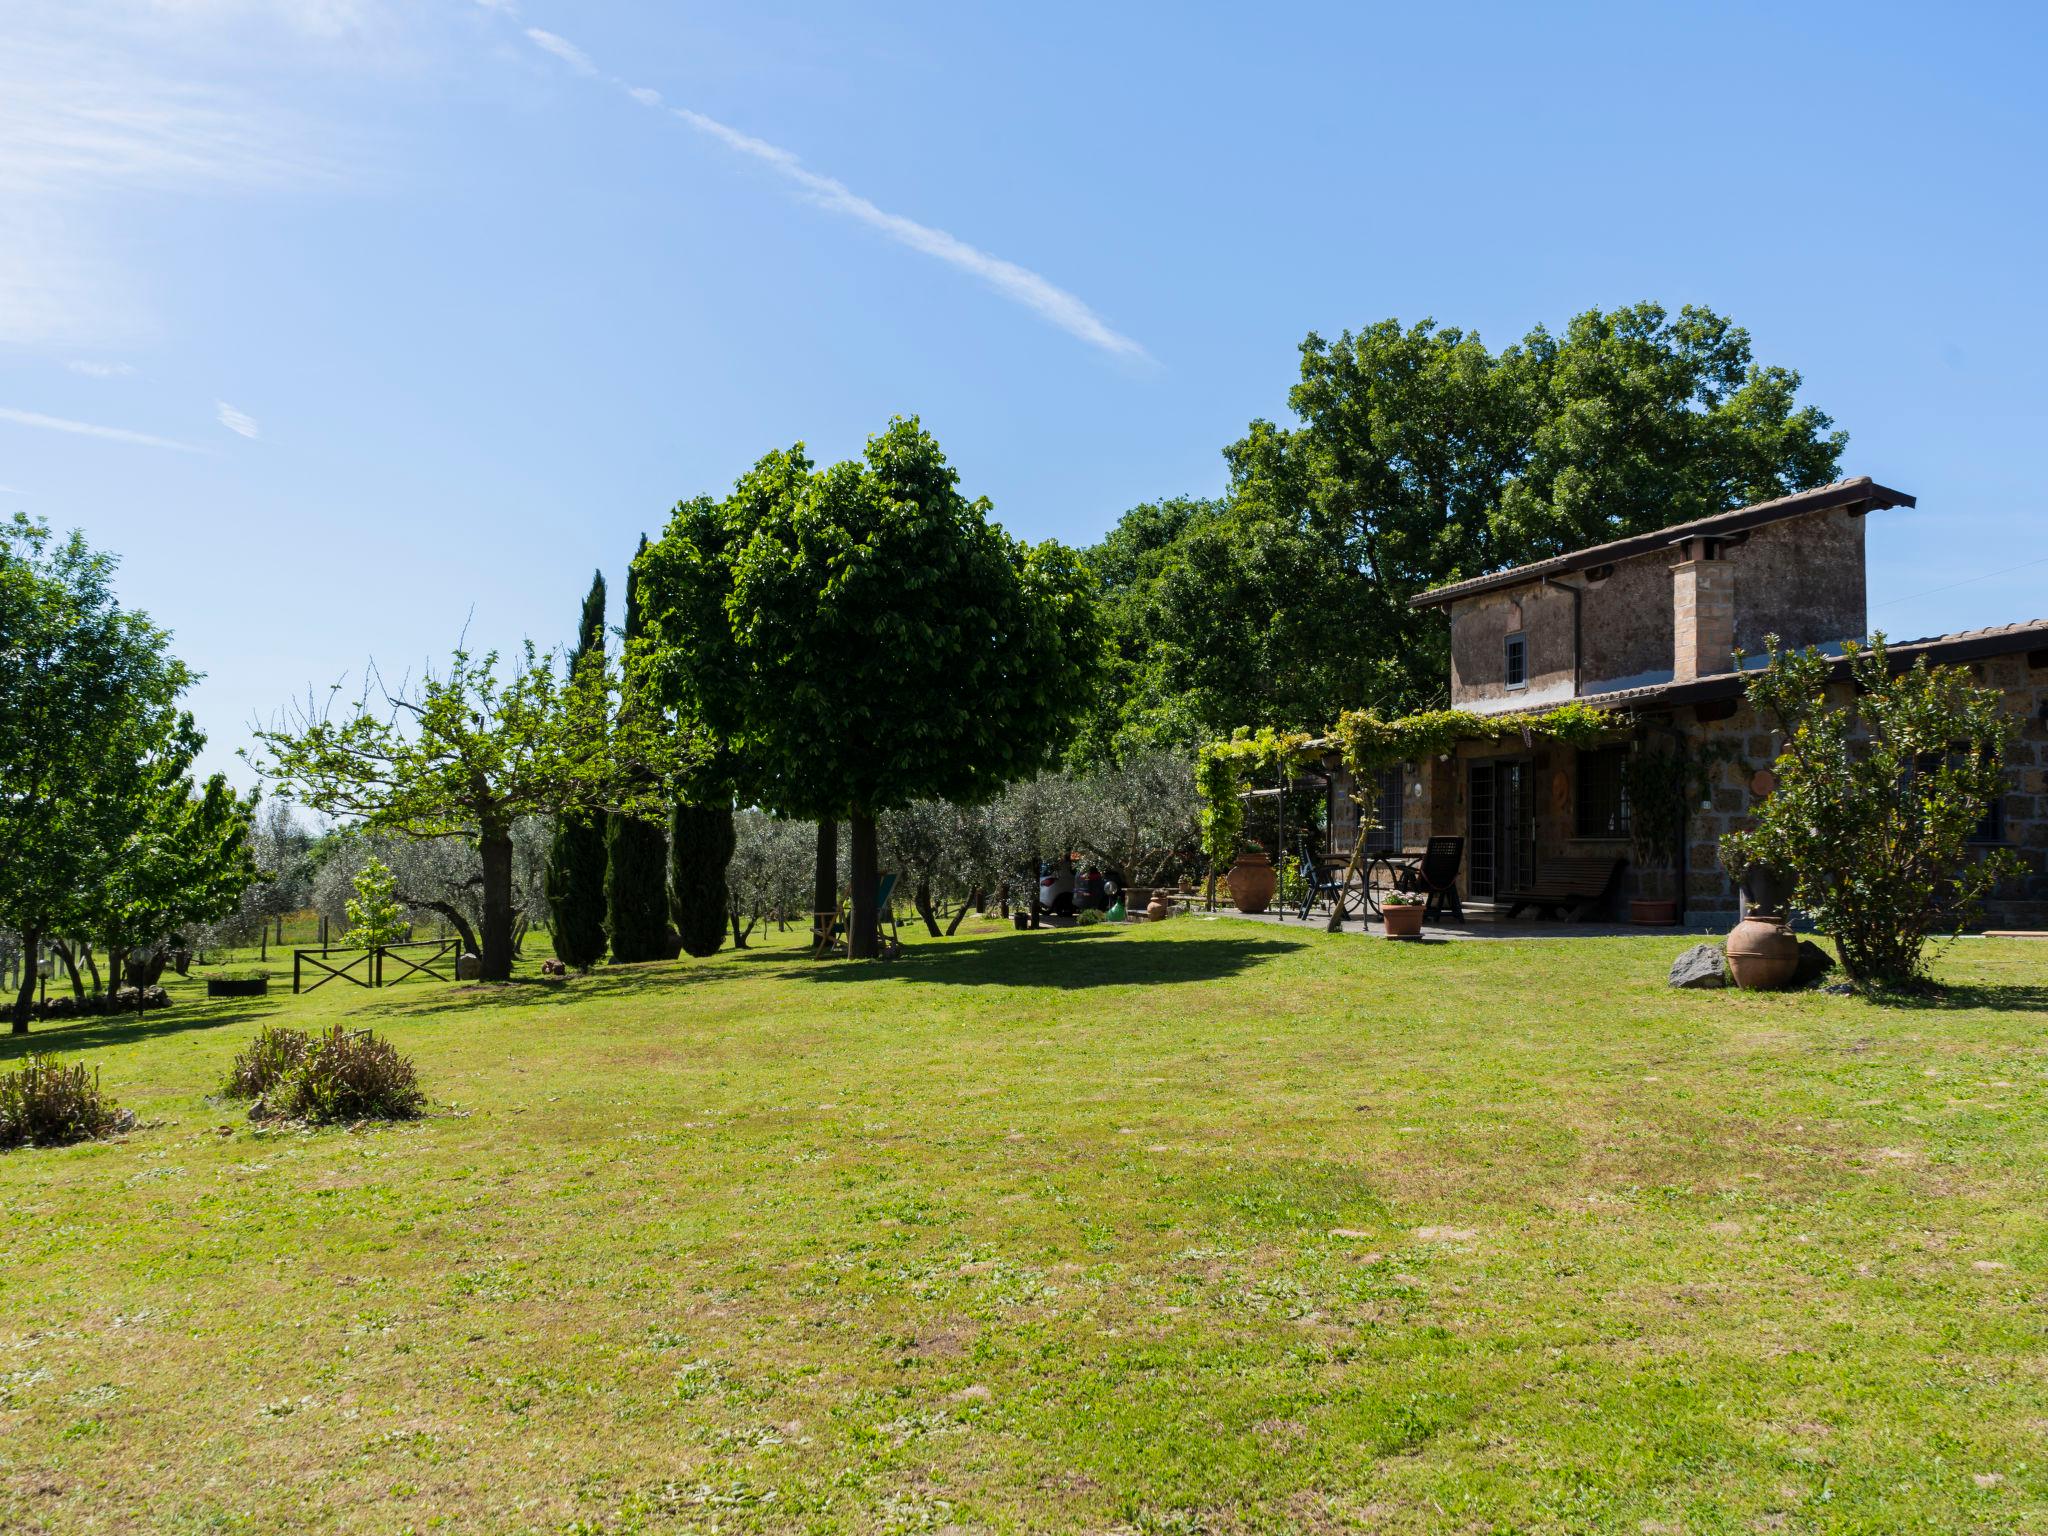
x: 236, y: 421
x: 93, y: 370
x: 90, y: 429
x: 562, y: 49
x: 1020, y: 284
x: 101, y: 102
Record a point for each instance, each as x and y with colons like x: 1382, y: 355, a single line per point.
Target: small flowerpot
x: 1402, y: 922
x: 1652, y: 914
x: 1252, y: 881
x: 1763, y: 954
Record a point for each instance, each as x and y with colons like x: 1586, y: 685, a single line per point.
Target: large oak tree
x: 1419, y: 456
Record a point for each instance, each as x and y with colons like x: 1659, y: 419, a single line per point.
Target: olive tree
x: 467, y: 753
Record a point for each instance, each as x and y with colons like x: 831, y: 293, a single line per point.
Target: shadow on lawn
x: 415, y: 1000
x: 1066, y: 958
x: 1998, y: 997
x: 65, y: 1036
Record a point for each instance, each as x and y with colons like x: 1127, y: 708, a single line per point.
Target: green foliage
x: 1420, y: 457
x: 1368, y: 743
x: 103, y: 829
x: 575, y: 880
x: 636, y: 843
x: 265, y: 1062
x: 1222, y: 769
x: 700, y: 843
x: 1663, y: 784
x: 1087, y: 917
x: 636, y: 890
x: 337, y: 1077
x: 1875, y: 803
x: 860, y: 637
x: 468, y: 753
x: 44, y: 1103
x: 375, y: 916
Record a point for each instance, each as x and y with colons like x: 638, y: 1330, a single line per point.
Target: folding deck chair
x: 829, y: 929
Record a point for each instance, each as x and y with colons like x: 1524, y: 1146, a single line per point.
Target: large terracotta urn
x: 1763, y: 953
x: 1159, y: 908
x: 1252, y: 881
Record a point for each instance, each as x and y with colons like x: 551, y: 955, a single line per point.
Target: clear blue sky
x: 404, y: 310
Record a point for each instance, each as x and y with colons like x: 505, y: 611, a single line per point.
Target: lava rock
x: 1702, y: 966
x: 1814, y: 963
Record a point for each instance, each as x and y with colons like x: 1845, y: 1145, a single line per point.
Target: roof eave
x: 1859, y: 495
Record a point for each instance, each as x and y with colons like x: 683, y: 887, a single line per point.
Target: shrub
x: 1876, y: 801
x: 353, y: 1075
x: 1086, y: 916
x: 323, y: 1079
x: 47, y: 1104
x: 271, y: 1057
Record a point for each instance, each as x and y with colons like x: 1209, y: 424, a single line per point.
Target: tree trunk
x: 496, y: 955
x: 62, y: 950
x: 825, y: 883
x: 973, y: 903
x: 31, y: 941
x: 863, y: 880
x: 921, y: 898
x: 463, y: 931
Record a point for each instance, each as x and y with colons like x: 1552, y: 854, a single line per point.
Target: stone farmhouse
x: 1649, y: 627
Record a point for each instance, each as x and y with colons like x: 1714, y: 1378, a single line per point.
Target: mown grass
x: 1201, y: 1227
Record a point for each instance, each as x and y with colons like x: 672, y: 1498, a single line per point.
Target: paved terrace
x: 1480, y: 926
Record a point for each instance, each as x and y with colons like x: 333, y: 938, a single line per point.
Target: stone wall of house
x: 1801, y: 579
x: 1480, y: 627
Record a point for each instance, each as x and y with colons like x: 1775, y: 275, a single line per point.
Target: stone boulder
x: 1704, y: 965
x: 1814, y: 965
x: 468, y: 967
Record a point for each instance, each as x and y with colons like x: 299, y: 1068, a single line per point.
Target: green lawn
x: 1199, y: 1227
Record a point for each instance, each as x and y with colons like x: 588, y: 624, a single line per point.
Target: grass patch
x: 1203, y: 1227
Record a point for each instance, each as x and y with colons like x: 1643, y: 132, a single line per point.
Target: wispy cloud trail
x: 1017, y: 283
x: 92, y: 370
x: 89, y: 429
x: 562, y: 49
x: 236, y: 421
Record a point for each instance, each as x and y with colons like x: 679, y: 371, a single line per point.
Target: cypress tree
x: 700, y: 842
x: 636, y: 851
x: 576, y: 855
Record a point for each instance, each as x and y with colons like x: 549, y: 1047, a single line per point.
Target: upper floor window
x: 1518, y: 661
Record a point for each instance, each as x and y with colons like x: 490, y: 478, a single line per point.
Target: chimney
x: 1702, y: 612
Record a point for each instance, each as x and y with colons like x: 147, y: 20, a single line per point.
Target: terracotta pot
x: 1652, y: 914
x: 1252, y: 881
x: 1762, y: 953
x: 1159, y: 909
x: 1402, y: 922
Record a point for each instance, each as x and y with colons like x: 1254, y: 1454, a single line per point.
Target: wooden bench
x: 1577, y: 885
